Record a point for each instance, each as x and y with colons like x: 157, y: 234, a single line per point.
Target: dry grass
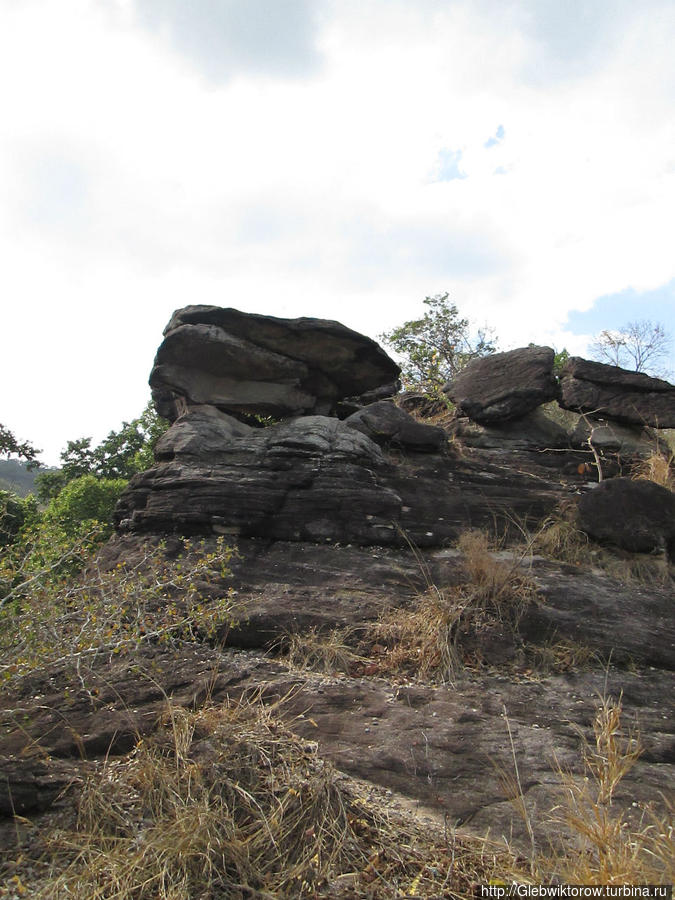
x: 658, y: 467
x: 227, y: 802
x: 420, y: 641
x: 499, y: 587
x: 606, y: 842
x: 321, y: 650
x: 559, y: 538
x: 560, y: 656
x: 425, y: 640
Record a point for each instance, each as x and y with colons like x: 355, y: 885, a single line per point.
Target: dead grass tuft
x: 609, y: 843
x: 425, y: 640
x: 321, y: 650
x: 658, y: 467
x: 228, y: 802
x: 499, y: 587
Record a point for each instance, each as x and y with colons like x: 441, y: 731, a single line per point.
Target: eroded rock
x: 635, y: 515
x: 609, y: 391
x: 504, y: 385
x: 254, y: 364
x: 387, y: 425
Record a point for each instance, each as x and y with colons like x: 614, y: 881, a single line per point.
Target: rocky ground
x: 416, y: 601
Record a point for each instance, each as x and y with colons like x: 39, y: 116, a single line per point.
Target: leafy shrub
x: 60, y: 618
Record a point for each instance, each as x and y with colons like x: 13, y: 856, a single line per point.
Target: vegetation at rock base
x: 53, y: 534
x: 55, y: 616
x: 437, y: 346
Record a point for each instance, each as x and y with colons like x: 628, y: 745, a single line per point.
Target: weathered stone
x: 608, y: 391
x: 319, y: 479
x: 534, y: 431
x: 313, y: 478
x: 505, y: 385
x: 614, y: 437
x: 247, y: 363
x: 386, y: 424
x: 29, y: 785
x: 635, y: 515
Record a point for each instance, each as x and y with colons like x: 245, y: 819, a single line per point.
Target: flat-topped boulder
x: 504, y: 386
x: 246, y: 363
x: 608, y: 391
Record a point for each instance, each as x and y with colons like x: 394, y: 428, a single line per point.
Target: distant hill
x: 16, y: 477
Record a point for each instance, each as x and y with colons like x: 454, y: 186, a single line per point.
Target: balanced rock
x: 505, y: 385
x: 248, y: 363
x: 635, y: 515
x: 608, y: 391
x: 387, y: 425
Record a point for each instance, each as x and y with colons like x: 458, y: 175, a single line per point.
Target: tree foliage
x: 11, y: 446
x: 641, y: 346
x: 121, y: 454
x: 437, y: 346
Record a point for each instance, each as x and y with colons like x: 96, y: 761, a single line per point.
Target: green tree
x: 15, y: 513
x: 85, y: 502
x: 11, y: 446
x: 121, y: 454
x: 437, y: 346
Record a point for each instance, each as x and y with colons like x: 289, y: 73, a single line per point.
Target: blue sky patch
x: 615, y: 310
x: 497, y: 138
x: 447, y: 165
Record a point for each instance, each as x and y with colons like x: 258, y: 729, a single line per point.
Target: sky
x: 326, y: 158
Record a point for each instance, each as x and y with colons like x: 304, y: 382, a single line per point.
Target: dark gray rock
x: 534, y: 431
x: 29, y: 785
x: 247, y: 363
x: 615, y: 437
x: 319, y: 479
x: 386, y: 424
x: 505, y: 385
x: 635, y: 515
x: 608, y: 391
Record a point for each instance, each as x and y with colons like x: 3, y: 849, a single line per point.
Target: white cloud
x: 147, y: 161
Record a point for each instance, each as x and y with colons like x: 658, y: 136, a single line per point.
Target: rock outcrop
x: 342, y: 526
x: 505, y: 385
x: 608, y: 391
x: 254, y: 364
x: 317, y: 478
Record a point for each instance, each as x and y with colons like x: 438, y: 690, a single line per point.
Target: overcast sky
x: 326, y: 158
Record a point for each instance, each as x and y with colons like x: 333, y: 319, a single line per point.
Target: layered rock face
x: 246, y: 363
x: 376, y: 477
x: 631, y: 397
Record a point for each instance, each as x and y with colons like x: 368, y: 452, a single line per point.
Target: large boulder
x: 634, y: 515
x: 608, y: 391
x: 248, y: 363
x: 505, y: 385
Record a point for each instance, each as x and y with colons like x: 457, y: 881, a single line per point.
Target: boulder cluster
x: 286, y: 429
x: 507, y: 386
